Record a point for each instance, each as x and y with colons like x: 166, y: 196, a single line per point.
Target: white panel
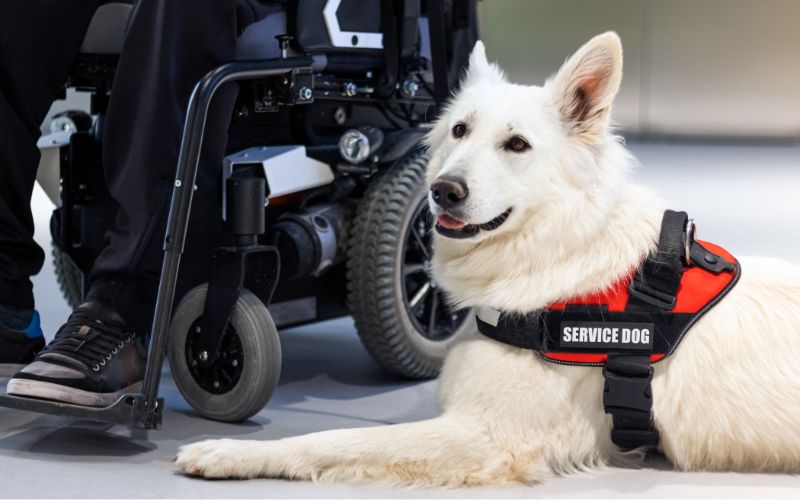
x: 293, y: 171
x: 345, y: 39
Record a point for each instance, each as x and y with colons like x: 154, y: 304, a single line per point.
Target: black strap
x: 627, y: 395
x: 543, y: 331
x: 519, y: 331
x: 657, y: 282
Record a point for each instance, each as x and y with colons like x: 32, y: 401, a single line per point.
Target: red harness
x: 638, y: 321
x: 699, y: 290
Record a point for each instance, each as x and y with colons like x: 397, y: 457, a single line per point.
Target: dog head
x: 506, y: 156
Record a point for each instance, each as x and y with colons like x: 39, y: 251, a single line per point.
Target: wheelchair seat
x: 106, y: 31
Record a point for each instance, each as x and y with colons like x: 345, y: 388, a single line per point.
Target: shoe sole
x: 8, y: 370
x: 63, y: 394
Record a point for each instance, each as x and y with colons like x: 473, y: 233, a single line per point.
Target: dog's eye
x: 517, y: 144
x: 459, y: 129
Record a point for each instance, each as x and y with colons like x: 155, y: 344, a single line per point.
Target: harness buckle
x: 627, y: 391
x: 627, y: 397
x: 650, y: 295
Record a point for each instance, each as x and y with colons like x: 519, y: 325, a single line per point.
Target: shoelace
x: 90, y: 340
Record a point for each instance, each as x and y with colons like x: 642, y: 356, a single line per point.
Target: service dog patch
x: 606, y: 335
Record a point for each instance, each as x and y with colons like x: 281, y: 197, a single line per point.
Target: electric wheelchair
x: 339, y: 92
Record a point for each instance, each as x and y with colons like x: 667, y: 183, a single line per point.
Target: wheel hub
x: 224, y: 372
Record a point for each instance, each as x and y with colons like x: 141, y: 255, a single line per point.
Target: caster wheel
x: 400, y: 314
x: 241, y: 381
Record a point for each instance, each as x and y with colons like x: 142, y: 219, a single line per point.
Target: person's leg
x: 141, y: 154
x: 169, y: 46
x: 38, y: 42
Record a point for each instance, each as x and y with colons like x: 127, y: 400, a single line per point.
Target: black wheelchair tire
x: 261, y: 348
x: 68, y: 276
x: 374, y: 268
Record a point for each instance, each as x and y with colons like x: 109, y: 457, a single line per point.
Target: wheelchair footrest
x: 127, y: 410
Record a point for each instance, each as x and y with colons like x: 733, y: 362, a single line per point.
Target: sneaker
x: 94, y: 360
x: 19, y: 347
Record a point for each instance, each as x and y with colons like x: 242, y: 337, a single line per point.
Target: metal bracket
x: 293, y: 88
x: 688, y: 240
x: 253, y: 267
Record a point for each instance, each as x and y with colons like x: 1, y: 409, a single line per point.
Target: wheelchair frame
x: 144, y: 410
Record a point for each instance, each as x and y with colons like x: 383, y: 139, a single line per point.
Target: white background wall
x: 692, y: 67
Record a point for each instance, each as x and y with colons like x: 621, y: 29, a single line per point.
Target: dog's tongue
x: 449, y: 222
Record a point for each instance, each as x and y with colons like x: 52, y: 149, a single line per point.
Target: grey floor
x: 745, y: 198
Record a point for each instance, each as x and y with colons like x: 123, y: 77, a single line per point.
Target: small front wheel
x: 242, y: 379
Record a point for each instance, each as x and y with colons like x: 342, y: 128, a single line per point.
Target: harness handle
x: 659, y: 277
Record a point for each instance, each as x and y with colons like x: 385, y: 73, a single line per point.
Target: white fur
x: 728, y: 399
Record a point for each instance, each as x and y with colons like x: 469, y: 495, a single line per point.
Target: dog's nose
x: 449, y: 192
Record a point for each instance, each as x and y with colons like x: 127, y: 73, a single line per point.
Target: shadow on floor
x: 333, y: 349
x: 59, y: 437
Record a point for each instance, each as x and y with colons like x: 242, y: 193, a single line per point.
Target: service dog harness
x: 636, y: 322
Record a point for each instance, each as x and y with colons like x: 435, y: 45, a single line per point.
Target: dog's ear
x: 480, y: 69
x: 586, y: 85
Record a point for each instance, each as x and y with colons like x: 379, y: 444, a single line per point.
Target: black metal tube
x: 436, y: 21
x: 245, y: 205
x: 183, y: 189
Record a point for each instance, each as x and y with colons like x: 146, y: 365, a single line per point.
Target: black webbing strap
x: 656, y: 284
x: 520, y: 331
x: 627, y: 395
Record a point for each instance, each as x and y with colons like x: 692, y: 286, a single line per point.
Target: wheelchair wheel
x: 240, y: 383
x: 68, y: 276
x: 400, y: 314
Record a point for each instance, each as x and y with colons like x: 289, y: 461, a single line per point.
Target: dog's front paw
x: 219, y: 458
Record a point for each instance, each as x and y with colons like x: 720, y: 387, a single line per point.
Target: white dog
x: 542, y: 165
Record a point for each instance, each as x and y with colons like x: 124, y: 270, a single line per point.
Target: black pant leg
x: 38, y: 43
x: 170, y: 45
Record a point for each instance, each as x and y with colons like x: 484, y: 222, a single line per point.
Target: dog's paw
x: 219, y: 458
